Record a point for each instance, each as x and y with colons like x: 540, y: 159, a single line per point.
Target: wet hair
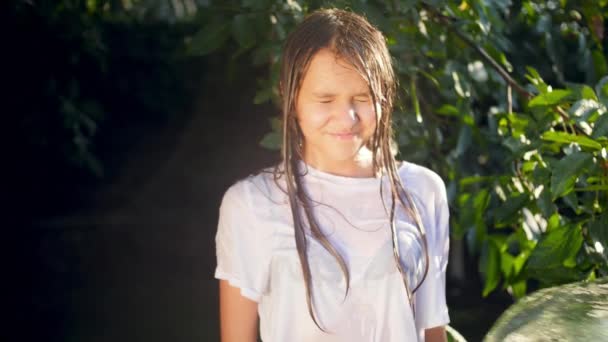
x: 353, y: 39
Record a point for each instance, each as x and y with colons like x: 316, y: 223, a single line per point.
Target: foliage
x: 81, y: 75
x: 527, y: 166
x: 506, y: 100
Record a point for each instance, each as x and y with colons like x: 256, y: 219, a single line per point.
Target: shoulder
x: 421, y: 180
x: 429, y: 193
x: 255, y: 189
x: 244, y: 209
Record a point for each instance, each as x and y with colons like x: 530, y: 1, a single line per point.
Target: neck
x: 360, y: 166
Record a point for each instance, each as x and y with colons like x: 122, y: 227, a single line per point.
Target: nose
x: 347, y: 114
x: 352, y: 114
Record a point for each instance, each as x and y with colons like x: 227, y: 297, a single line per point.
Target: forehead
x: 328, y: 72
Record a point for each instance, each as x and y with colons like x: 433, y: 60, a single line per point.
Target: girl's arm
x: 436, y: 334
x: 238, y: 315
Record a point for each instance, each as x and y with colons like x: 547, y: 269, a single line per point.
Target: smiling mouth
x: 343, y: 136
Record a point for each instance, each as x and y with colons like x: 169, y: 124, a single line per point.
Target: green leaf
x: 545, y: 203
x: 552, y: 98
x: 554, y: 222
x: 209, y: 38
x: 598, y: 232
x: 242, y: 31
x: 276, y: 124
x: 520, y: 261
x: 599, y: 63
x: 448, y: 110
x: 566, y: 171
x: 505, y: 62
x: 571, y: 200
x: 474, y: 179
x: 546, y: 263
x: 582, y: 91
x: 600, y: 127
x: 489, y: 264
x: 601, y: 89
x: 256, y: 4
x: 271, y: 141
x: 464, y: 140
x: 372, y: 11
x: 506, y: 264
x: 593, y: 188
x: 534, y: 77
x: 519, y: 289
x: 481, y: 201
x: 414, y: 98
x: 474, y: 239
x: 515, y: 145
x: 507, y: 211
x: 519, y: 124
x: 567, y: 138
x: 430, y: 77
x: 466, y: 220
x: 262, y: 96
x: 582, y: 109
x: 460, y: 86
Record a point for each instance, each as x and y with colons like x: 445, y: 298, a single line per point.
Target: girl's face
x: 334, y: 110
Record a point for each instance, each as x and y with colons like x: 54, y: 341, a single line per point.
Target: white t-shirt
x: 256, y: 252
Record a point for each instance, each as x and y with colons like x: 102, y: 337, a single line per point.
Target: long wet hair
x: 352, y: 38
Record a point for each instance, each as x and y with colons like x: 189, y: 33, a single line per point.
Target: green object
x: 572, y: 312
x: 453, y: 335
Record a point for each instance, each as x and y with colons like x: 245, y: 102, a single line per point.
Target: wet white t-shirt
x: 256, y: 252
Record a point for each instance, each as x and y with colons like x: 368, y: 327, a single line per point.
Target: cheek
x: 312, y: 118
x: 367, y: 117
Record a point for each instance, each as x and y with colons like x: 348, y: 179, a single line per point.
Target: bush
x: 526, y: 165
x: 82, y: 75
x: 506, y: 100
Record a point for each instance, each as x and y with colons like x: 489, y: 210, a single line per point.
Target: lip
x: 343, y: 135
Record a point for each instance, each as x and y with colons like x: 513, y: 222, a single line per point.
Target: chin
x: 336, y: 152
x: 343, y: 155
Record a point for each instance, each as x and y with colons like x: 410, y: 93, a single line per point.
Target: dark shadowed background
x: 127, y: 120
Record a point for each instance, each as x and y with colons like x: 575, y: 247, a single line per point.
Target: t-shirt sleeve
x: 243, y: 248
x: 431, y: 307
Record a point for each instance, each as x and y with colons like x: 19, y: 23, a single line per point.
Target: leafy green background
x: 506, y: 100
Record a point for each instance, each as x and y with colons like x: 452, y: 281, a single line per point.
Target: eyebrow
x: 327, y: 94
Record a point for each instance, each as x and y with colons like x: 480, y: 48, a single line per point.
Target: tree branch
x: 449, y: 23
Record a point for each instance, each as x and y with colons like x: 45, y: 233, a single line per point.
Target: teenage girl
x: 339, y: 241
